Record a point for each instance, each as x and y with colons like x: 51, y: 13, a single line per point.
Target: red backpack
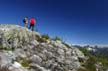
x: 32, y: 21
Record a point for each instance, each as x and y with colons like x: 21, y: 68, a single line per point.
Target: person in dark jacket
x: 25, y: 21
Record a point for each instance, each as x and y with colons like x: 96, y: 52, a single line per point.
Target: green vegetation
x: 6, y: 48
x: 39, y: 39
x: 80, y: 69
x: 81, y: 60
x: 89, y: 65
x: 85, y: 51
x: 57, y: 38
x: 46, y: 36
x: 101, y: 58
x: 24, y: 63
x: 67, y: 45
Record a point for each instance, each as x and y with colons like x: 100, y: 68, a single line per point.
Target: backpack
x: 24, y: 20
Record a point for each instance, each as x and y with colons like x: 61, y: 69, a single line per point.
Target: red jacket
x: 32, y: 21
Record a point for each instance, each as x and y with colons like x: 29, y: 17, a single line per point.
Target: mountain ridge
x: 24, y: 50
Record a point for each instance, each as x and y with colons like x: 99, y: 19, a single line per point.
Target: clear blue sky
x: 76, y: 21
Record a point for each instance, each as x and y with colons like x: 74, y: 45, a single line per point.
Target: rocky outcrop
x: 24, y: 50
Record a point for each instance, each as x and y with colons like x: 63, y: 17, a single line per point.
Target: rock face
x: 24, y: 50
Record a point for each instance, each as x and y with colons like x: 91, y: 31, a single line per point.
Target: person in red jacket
x: 32, y: 23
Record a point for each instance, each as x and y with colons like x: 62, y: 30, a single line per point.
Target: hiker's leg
x: 32, y: 27
x: 26, y: 25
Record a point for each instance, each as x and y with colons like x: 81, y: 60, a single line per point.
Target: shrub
x: 37, y: 37
x: 90, y: 64
x: 67, y: 45
x: 101, y: 58
x: 81, y: 59
x: 46, y: 36
x: 85, y: 51
x: 93, y: 59
x: 42, y: 39
x: 57, y: 38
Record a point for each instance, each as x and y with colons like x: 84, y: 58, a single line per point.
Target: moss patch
x: 6, y: 48
x: 25, y: 63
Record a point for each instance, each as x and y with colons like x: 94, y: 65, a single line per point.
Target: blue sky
x: 76, y: 21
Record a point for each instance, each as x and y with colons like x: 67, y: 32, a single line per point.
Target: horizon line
x: 99, y: 45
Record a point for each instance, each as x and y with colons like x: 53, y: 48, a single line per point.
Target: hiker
x: 25, y: 21
x: 32, y: 23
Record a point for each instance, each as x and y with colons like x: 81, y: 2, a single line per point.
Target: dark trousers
x: 31, y: 25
